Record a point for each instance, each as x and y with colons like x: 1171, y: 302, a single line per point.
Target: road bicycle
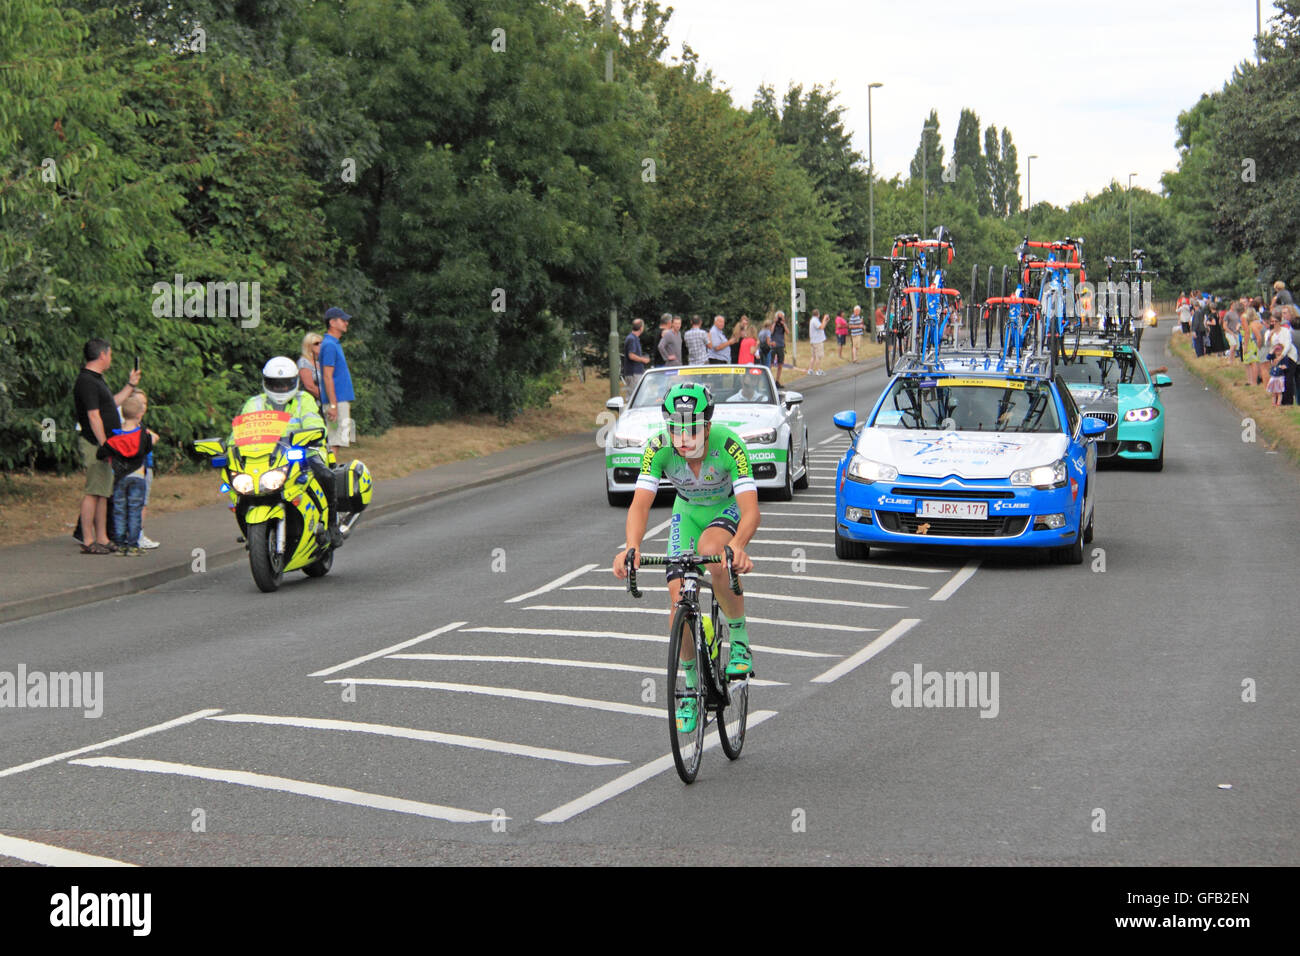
x: 925, y: 293
x: 713, y: 692
x: 1062, y: 325
x: 898, y: 309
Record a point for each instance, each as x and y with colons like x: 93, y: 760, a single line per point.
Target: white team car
x: 770, y: 422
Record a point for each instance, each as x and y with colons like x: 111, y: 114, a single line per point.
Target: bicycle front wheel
x: 687, y: 695
x: 733, y: 719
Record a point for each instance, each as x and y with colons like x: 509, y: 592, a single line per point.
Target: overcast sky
x: 1094, y: 88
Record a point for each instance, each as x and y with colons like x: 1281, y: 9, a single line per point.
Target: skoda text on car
x: 747, y: 401
x: 960, y: 455
x: 1109, y: 380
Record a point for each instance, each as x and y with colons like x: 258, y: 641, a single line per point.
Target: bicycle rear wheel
x: 732, y: 720
x: 688, y: 747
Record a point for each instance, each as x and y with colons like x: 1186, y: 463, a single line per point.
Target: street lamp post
x: 925, y: 177
x: 1130, y: 212
x: 1029, y: 193
x: 871, y: 191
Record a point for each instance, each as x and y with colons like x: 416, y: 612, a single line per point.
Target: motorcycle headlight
x: 766, y: 437
x: 273, y: 480
x: 1044, y: 476
x: 625, y: 441
x: 243, y: 484
x: 1148, y: 414
x: 864, y: 469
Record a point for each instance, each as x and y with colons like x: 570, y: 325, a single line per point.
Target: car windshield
x: 969, y: 405
x: 728, y: 385
x: 1102, y: 367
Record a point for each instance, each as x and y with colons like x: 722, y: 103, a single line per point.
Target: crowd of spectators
x: 1260, y: 335
x: 743, y: 342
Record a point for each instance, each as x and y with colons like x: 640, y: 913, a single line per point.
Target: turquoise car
x: 1109, y: 380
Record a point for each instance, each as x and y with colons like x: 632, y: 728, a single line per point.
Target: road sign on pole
x: 873, y: 277
x: 800, y: 264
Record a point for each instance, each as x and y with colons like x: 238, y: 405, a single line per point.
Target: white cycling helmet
x: 280, y: 380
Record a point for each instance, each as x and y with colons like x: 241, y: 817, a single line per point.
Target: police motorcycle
x: 280, y: 479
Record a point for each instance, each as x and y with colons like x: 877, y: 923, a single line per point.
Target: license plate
x: 970, y: 510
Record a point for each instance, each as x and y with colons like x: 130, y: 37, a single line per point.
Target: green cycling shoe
x: 741, y: 663
x: 687, y: 713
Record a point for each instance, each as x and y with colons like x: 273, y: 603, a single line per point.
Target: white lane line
x: 134, y: 735
x: 649, y: 535
x: 663, y: 638
x: 430, y: 736
x: 802, y: 544
x: 556, y: 662
x: 868, y: 652
x: 514, y: 693
x: 801, y: 514
x: 562, y: 579
x: 305, y: 788
x: 387, y: 650
x: 956, y: 581
x: 865, y: 584
x: 752, y: 594
x: 630, y: 779
x: 801, y: 530
x: 803, y: 495
x: 827, y: 441
x: 843, y: 565
x: 46, y: 855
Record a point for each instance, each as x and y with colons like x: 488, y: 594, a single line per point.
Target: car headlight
x: 243, y: 484
x: 759, y: 438
x: 623, y: 441
x: 273, y: 480
x: 864, y: 469
x: 1148, y: 414
x: 1044, y: 476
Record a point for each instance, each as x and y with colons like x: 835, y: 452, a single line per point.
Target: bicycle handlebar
x: 931, y: 290
x: 682, y: 562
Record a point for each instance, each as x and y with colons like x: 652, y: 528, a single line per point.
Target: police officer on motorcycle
x: 281, y: 393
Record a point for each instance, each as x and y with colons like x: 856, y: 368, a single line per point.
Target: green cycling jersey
x: 724, y: 469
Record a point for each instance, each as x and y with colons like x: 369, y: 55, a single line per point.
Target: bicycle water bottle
x: 710, y: 639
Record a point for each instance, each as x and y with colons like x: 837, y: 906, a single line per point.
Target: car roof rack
x: 975, y: 361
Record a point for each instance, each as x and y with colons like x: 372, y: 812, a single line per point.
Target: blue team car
x: 962, y: 454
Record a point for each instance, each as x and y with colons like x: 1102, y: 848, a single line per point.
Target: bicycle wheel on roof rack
x: 972, y: 307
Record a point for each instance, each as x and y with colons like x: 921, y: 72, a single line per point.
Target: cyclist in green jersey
x: 716, y: 507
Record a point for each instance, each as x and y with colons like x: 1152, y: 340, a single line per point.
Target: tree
x: 993, y: 163
x: 1010, y: 175
x: 967, y: 156
x: 928, y: 158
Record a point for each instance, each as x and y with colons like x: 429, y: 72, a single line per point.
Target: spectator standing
x: 670, y: 342
x: 856, y: 328
x: 778, y: 345
x: 765, y: 343
x: 697, y: 342
x: 748, y: 353
x: 841, y: 330
x: 1282, y: 370
x: 880, y: 321
x: 336, y: 380
x: 96, y: 410
x: 1280, y: 295
x: 127, y: 449
x: 309, y: 366
x: 1198, y: 328
x: 634, y: 359
x: 719, y: 345
x: 817, y: 342
x: 1185, y: 314
x: 738, y: 332
x: 1252, y: 346
x: 146, y: 543
x: 1218, y: 342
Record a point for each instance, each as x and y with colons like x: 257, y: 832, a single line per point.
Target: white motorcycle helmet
x: 280, y: 380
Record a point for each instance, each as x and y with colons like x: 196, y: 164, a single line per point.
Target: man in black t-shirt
x: 96, y: 409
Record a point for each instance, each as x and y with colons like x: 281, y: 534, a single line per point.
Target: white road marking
x: 134, y: 735
x: 47, y: 855
x: 305, y: 788
x: 865, y: 584
x: 562, y: 579
x: 802, y: 496
x: 827, y: 441
x: 750, y: 594
x: 957, y: 580
x: 650, y: 535
x: 387, y: 650
x: 430, y: 736
x: 868, y: 652
x: 663, y: 638
x: 630, y: 779
x: 514, y: 693
x: 801, y: 514
x: 802, y: 530
x: 505, y: 659
x: 842, y: 565
x: 801, y: 544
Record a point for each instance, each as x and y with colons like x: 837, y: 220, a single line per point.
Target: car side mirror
x: 615, y: 404
x: 1092, y: 427
x: 846, y: 420
x: 793, y: 398
x: 1163, y: 381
